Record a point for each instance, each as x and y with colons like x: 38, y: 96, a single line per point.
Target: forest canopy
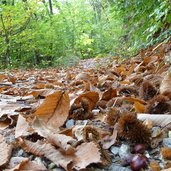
x: 54, y: 32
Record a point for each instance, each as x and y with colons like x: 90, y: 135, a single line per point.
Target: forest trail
x: 52, y: 118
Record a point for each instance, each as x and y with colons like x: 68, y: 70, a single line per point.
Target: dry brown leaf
x: 12, y: 79
x: 121, y: 69
x: 110, y: 140
x: 5, y: 151
x: 5, y: 124
x: 133, y: 99
x: 82, y: 76
x: 109, y: 94
x: 2, y: 76
x: 59, y: 140
x: 166, y: 153
x: 165, y: 87
x: 150, y: 59
x: 87, y: 153
x: 159, y: 119
x: 77, y: 131
x: 92, y: 97
x: 21, y: 164
x: 169, y: 169
x: 22, y: 127
x: 154, y: 166
x: 62, y: 141
x: 131, y: 69
x: 39, y: 86
x: 10, y: 104
x: 42, y: 92
x: 8, y: 108
x: 124, y: 82
x: 47, y: 150
x: 54, y: 110
x: 31, y: 165
x: 15, y: 162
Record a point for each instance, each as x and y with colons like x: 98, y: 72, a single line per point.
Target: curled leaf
x: 92, y: 97
x: 21, y: 163
x: 47, y: 150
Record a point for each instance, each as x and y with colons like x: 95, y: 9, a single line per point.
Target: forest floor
x: 103, y: 114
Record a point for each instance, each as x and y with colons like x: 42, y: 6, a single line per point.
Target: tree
x: 50, y: 7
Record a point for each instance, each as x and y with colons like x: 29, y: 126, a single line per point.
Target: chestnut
x: 127, y: 159
x: 139, y: 148
x: 138, y: 162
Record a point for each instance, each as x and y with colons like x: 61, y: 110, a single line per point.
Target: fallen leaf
x: 54, y: 110
x: 14, y: 161
x: 2, y: 76
x: 91, y: 97
x: 169, y: 169
x: 5, y: 151
x: 12, y: 79
x: 133, y: 99
x: 109, y: 94
x: 39, y: 86
x: 6, y: 121
x: 21, y: 164
x: 87, y: 153
x: 154, y: 166
x: 59, y: 140
x: 42, y: 92
x: 165, y: 87
x: 47, y: 150
x: 139, y: 107
x: 110, y: 140
x: 62, y: 141
x: 77, y: 131
x: 166, y: 153
x: 159, y: 119
x: 82, y: 76
x: 22, y: 127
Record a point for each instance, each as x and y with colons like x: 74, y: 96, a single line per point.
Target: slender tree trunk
x: 13, y: 3
x: 50, y: 7
x: 6, y: 57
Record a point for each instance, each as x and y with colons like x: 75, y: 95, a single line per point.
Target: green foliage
x: 146, y: 21
x: 32, y: 36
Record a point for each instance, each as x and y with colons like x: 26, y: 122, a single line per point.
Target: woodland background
x: 43, y: 33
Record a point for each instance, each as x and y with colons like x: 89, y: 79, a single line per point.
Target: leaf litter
x: 87, y: 117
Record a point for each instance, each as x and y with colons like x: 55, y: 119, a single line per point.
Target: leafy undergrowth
x: 100, y: 115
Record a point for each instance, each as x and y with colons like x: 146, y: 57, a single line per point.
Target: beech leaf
x: 59, y: 140
x: 165, y: 86
x: 157, y: 119
x: 22, y: 127
x: 5, y: 151
x: 87, y: 153
x: 21, y: 164
x: 47, y: 150
x: 54, y: 110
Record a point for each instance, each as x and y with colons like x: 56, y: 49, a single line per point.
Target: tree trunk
x: 50, y: 7
x: 6, y: 57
